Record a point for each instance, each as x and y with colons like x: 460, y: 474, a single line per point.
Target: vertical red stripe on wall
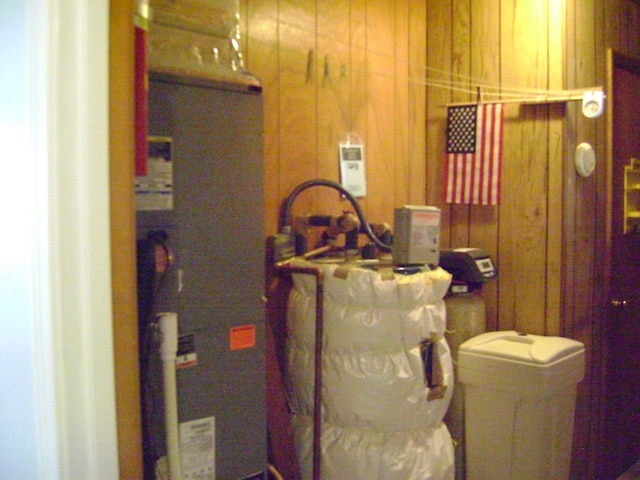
x: 141, y: 85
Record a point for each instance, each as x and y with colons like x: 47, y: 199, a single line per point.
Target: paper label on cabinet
x: 241, y: 337
x: 154, y: 191
x: 198, y: 449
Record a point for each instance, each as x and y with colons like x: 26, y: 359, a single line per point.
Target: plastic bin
x: 520, y: 393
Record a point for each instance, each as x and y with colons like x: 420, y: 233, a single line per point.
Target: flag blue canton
x: 461, y: 129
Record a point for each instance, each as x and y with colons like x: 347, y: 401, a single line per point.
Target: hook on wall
x: 326, y: 78
x: 309, y: 78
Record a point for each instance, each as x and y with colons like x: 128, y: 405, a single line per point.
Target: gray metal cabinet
x: 214, y: 232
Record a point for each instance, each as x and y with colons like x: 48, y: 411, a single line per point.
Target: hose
x: 336, y: 186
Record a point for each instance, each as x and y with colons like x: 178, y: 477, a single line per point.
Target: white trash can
x: 520, y: 393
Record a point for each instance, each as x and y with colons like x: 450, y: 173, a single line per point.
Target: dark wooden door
x: 621, y: 420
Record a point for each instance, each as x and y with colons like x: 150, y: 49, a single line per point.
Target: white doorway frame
x: 57, y: 404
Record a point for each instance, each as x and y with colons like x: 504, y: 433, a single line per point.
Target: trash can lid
x: 536, y: 349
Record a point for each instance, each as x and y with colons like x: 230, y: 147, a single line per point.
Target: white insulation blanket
x: 379, y: 420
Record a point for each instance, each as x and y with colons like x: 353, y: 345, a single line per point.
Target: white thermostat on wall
x: 585, y: 159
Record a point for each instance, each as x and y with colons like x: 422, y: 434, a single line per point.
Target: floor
x: 632, y: 474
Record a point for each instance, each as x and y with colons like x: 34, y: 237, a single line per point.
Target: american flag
x: 474, y: 154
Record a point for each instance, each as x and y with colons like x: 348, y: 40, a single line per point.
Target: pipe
x: 274, y: 472
x: 286, y: 220
x: 317, y: 383
x: 284, y: 264
x: 168, y: 323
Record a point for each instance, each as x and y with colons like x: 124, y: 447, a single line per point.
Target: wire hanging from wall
x: 491, y: 92
x: 495, y: 92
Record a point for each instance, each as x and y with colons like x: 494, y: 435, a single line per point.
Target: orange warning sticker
x: 243, y: 336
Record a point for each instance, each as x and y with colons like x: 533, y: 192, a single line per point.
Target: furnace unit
x: 200, y: 254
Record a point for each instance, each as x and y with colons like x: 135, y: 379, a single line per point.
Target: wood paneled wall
x: 584, y: 226
x: 330, y: 68
x: 123, y: 237
x: 333, y: 68
x: 592, y: 27
x: 548, y: 233
x: 515, y: 44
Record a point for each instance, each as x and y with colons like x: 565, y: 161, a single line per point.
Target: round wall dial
x: 585, y: 159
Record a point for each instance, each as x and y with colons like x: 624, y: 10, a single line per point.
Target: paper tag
x: 352, y: 171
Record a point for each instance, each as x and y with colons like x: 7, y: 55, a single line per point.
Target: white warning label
x: 154, y: 191
x: 198, y: 449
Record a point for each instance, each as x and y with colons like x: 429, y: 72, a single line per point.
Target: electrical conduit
x: 168, y: 323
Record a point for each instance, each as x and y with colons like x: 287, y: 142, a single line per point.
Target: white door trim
x: 55, y: 268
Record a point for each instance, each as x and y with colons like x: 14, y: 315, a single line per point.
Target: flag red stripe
x: 488, y: 157
x: 498, y: 154
x: 479, y: 191
x: 495, y: 185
